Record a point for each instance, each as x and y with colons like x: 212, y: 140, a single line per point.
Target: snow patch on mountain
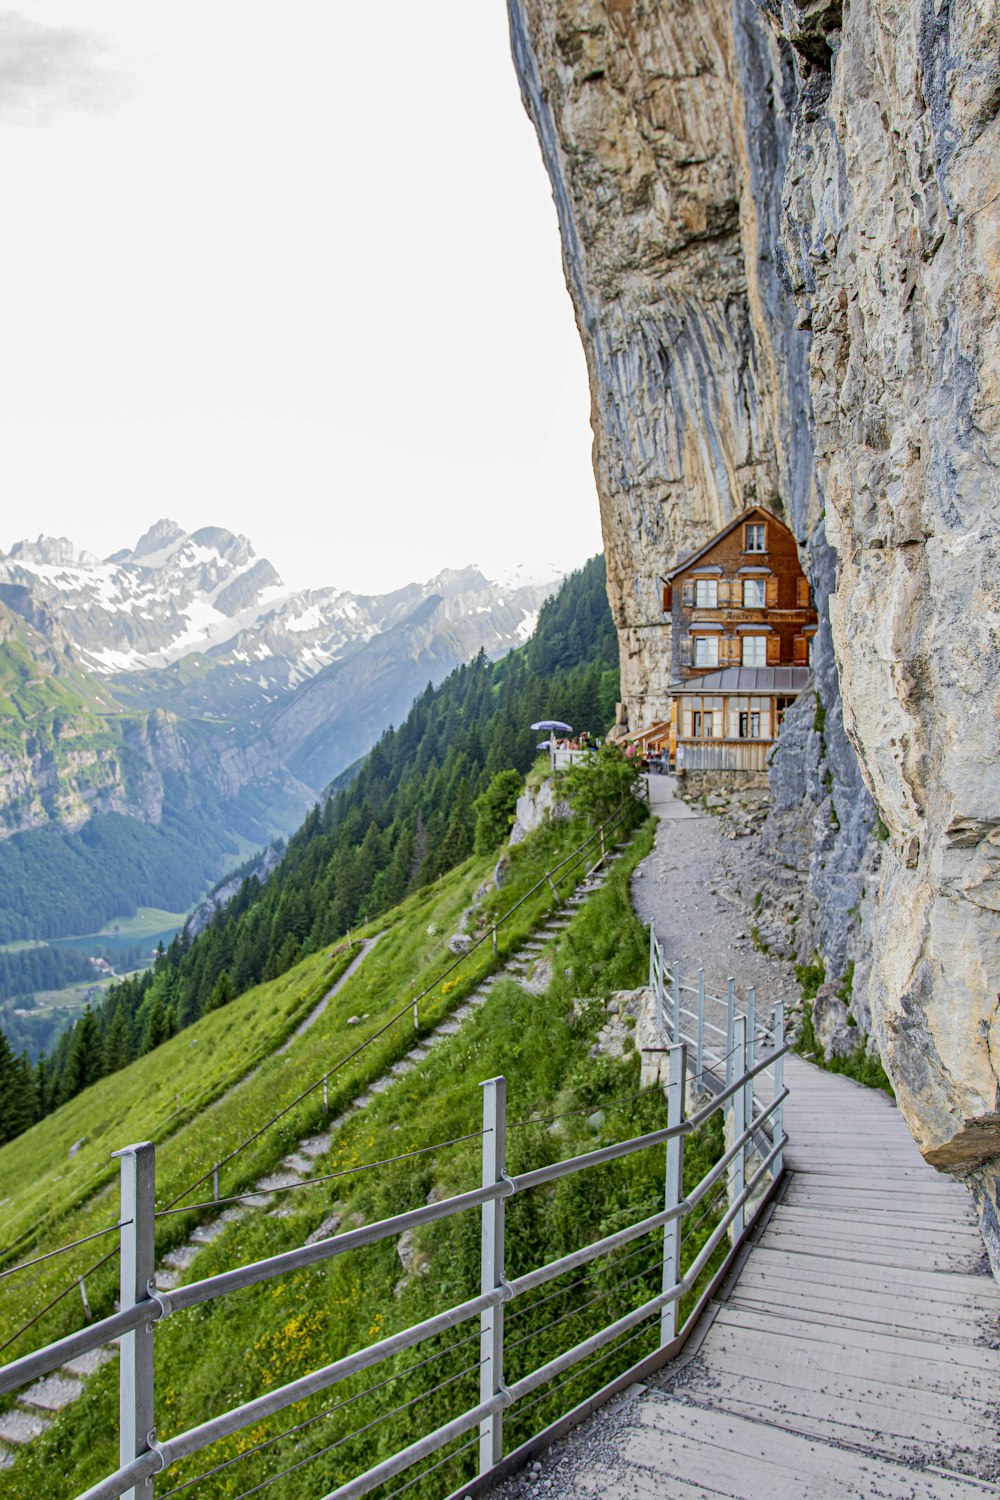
x: 178, y: 619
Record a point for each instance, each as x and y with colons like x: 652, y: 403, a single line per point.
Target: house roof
x: 746, y: 680
x: 687, y: 560
x: 650, y: 731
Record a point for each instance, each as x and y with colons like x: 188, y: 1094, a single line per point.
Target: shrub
x: 599, y: 785
x: 494, y: 811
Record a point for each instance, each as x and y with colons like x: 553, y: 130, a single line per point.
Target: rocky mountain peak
x: 52, y: 552
x: 162, y: 533
x: 236, y: 550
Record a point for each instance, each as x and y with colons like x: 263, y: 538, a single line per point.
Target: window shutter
x: 771, y: 591
x: 687, y: 593
x: 802, y: 592
x: 729, y: 651
x: 686, y: 650
x: 773, y: 650
x: 667, y: 593
x: 724, y: 595
x: 800, y: 654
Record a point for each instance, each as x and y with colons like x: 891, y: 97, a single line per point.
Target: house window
x: 755, y: 537
x: 782, y: 705
x: 755, y: 650
x: 753, y: 593
x: 706, y: 650
x: 706, y: 593
x: 750, y: 718
x: 702, y: 719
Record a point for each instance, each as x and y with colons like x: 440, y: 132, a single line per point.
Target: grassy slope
x: 49, y: 1198
x: 246, y: 1343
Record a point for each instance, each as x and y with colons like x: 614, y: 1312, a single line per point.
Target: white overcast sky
x: 290, y: 269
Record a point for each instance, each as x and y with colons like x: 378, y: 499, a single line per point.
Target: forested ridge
x: 410, y: 814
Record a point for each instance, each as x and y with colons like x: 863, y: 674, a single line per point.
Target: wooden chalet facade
x: 742, y: 629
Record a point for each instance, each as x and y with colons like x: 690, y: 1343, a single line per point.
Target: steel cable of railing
x: 588, y: 1109
x: 611, y: 824
x: 192, y: 1105
x: 711, y: 1207
x: 356, y: 1432
x: 439, y: 1464
x: 319, y: 1416
x: 70, y: 1287
x: 292, y: 1187
x: 562, y: 1291
x: 73, y: 1245
x: 583, y: 1306
x: 517, y: 1412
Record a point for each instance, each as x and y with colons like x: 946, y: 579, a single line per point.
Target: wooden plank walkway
x: 857, y: 1353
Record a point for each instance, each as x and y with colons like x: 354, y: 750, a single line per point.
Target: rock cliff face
x: 779, y: 223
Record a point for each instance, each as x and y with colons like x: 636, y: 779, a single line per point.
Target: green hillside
x: 227, y: 1351
x: 68, y: 753
x: 408, y: 815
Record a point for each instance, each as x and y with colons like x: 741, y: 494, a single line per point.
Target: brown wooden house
x: 742, y: 629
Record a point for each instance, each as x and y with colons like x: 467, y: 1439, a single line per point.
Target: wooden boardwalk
x: 856, y: 1353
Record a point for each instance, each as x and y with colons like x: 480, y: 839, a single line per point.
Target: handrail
x: 748, y: 1168
x: 142, y: 1317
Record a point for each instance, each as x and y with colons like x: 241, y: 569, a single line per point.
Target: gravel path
x: 685, y: 888
x: 855, y: 1354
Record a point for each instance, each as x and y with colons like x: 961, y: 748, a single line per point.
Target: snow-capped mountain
x: 175, y: 704
x: 196, y: 621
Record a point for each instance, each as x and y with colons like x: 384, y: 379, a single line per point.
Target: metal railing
x: 756, y: 1140
x: 590, y: 853
x: 692, y: 1022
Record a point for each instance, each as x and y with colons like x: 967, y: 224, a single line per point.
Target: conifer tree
x: 16, y: 1093
x: 117, y: 1043
x: 222, y: 992
x: 85, y: 1062
x: 156, y: 1029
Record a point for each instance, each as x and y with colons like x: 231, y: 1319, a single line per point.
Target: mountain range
x: 181, y: 687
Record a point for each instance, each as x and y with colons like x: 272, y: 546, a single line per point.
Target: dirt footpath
x: 685, y: 888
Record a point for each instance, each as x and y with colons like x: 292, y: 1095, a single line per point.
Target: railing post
x: 778, y: 1117
x: 652, y: 955
x: 491, y: 1264
x: 677, y: 1000
x: 751, y: 1025
x: 494, y: 940
x: 700, y: 1053
x: 136, y: 1422
x: 215, y: 1184
x: 416, y: 1015
x: 326, y: 1094
x: 737, y: 1176
x: 674, y: 1188
x: 659, y: 988
x: 730, y: 1013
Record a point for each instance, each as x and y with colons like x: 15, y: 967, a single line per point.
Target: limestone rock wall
x: 892, y: 219
x: 779, y: 223
x: 666, y: 132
